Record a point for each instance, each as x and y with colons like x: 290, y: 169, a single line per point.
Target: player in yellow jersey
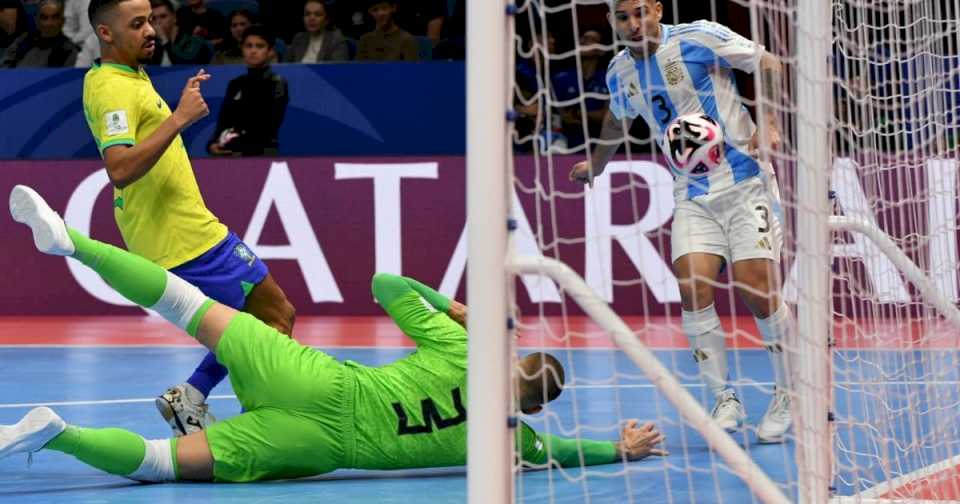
x: 157, y: 203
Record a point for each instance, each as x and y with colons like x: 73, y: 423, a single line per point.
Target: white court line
x: 588, y: 386
x: 99, y: 402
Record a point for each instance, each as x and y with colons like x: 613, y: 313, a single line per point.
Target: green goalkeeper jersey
x: 412, y: 412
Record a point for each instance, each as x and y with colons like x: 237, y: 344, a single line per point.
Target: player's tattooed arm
x: 771, y: 90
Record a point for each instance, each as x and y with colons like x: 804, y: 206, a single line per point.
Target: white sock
x: 707, y: 341
x: 180, y: 301
x: 157, y: 465
x: 776, y: 330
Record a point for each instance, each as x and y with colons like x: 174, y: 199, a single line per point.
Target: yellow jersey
x: 161, y: 216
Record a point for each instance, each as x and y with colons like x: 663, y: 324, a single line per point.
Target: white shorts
x: 738, y: 223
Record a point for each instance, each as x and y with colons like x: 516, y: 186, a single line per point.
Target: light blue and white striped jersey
x: 691, y: 72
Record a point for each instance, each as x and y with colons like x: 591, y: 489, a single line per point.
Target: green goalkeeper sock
x: 143, y: 282
x: 134, y: 277
x: 115, y: 451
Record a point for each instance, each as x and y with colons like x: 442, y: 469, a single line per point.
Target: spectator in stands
x: 566, y: 86
x: 422, y: 18
x: 230, y: 50
x: 77, y: 28
x: 176, y: 46
x: 255, y: 103
x: 321, y: 42
x: 47, y: 47
x: 388, y: 42
x: 196, y: 19
x: 76, y: 25
x: 13, y: 24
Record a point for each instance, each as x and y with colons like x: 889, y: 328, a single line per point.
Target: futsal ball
x: 695, y: 144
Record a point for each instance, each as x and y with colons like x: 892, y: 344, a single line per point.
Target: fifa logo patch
x: 673, y: 73
x: 244, y: 254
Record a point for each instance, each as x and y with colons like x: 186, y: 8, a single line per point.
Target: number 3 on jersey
x: 663, y: 112
x: 431, y: 416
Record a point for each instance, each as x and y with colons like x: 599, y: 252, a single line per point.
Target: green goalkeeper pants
x: 299, y: 407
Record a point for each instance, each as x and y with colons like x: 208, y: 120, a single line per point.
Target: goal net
x: 867, y: 153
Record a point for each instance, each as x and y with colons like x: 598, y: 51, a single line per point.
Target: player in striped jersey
x: 729, y: 215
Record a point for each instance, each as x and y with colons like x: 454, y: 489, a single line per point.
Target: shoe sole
x: 168, y: 414
x: 40, y: 423
x: 27, y: 207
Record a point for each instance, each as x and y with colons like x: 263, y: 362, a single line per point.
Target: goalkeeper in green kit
x: 305, y: 412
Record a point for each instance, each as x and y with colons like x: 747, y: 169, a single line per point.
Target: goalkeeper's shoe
x: 184, y: 413
x: 776, y: 421
x: 31, y: 433
x: 728, y: 412
x: 49, y: 231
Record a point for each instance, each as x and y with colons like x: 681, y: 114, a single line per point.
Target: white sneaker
x: 184, y: 413
x: 31, y: 433
x: 728, y: 411
x: 49, y: 231
x: 776, y: 421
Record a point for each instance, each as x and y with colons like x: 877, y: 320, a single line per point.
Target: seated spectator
x: 255, y: 103
x: 176, y: 46
x: 196, y: 19
x: 89, y: 51
x: 13, y: 24
x: 593, y: 79
x: 422, y: 18
x: 47, y: 47
x: 76, y: 24
x: 229, y: 51
x: 388, y: 42
x: 321, y: 42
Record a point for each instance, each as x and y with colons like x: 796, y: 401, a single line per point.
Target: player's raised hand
x: 640, y: 442
x: 192, y: 106
x: 583, y: 173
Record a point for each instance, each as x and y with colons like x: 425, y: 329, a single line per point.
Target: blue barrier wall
x: 335, y: 109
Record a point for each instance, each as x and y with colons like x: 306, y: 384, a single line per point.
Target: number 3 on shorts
x: 763, y: 214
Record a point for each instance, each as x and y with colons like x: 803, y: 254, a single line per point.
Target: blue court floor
x: 114, y: 386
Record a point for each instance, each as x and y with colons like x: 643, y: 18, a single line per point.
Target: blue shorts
x: 226, y: 273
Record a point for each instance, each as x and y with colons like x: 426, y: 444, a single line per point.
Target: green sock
x: 115, y: 451
x: 134, y: 277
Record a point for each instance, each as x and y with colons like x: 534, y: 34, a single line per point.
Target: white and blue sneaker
x: 31, y: 433
x: 728, y: 412
x: 49, y: 231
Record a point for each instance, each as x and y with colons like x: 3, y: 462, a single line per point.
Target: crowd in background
x: 57, y: 33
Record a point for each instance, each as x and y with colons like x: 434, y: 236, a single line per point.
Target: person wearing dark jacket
x: 13, y: 24
x: 47, y: 47
x: 174, y: 45
x: 255, y: 103
x: 320, y: 42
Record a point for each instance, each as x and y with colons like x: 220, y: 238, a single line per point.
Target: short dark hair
x: 261, y: 31
x: 98, y: 7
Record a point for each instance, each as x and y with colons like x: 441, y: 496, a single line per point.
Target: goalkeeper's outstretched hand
x: 640, y: 442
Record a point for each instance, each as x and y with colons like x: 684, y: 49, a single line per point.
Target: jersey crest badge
x: 673, y: 73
